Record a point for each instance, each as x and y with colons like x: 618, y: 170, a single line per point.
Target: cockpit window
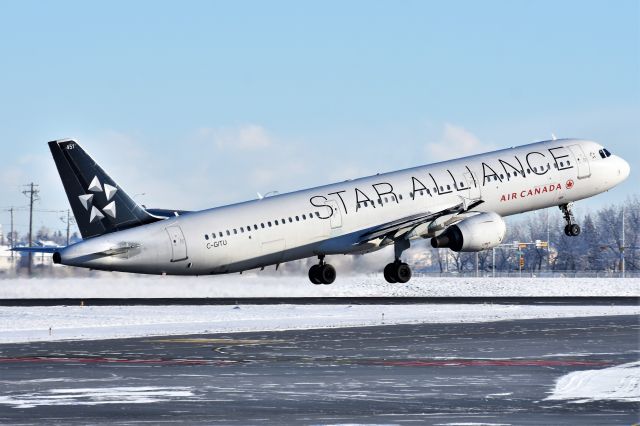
x: 604, y: 153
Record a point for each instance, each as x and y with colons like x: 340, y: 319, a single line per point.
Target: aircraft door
x: 474, y: 187
x: 178, y: 243
x: 336, y: 216
x: 582, y: 162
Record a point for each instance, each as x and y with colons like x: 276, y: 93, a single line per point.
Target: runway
x: 486, y: 373
x: 345, y: 300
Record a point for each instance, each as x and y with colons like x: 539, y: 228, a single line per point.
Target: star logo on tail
x: 87, y: 200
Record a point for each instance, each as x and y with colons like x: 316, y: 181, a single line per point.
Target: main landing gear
x: 572, y: 229
x: 398, y: 271
x: 322, y: 273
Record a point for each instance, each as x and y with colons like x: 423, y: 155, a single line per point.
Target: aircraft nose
x: 623, y: 169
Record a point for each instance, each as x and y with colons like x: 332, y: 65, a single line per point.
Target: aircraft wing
x: 398, y: 229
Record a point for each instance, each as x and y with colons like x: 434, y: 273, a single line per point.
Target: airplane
x: 457, y: 204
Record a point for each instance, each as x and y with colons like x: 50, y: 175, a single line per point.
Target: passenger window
x: 508, y: 175
x: 228, y: 233
x: 290, y: 220
x: 448, y: 187
x: 386, y: 200
x: 213, y: 235
x: 501, y: 176
x: 400, y: 196
x: 568, y: 163
x: 269, y: 223
x: 297, y: 219
x: 276, y: 221
x: 428, y: 192
x: 304, y: 217
x: 235, y: 231
x: 206, y: 237
x: 220, y: 234
x: 441, y: 189
x: 255, y: 227
x: 528, y: 171
x: 561, y: 164
x: 262, y: 225
x: 422, y: 193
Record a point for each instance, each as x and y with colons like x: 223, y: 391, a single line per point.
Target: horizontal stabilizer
x: 121, y: 249
x: 37, y: 249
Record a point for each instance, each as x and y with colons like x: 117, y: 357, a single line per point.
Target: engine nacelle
x: 480, y: 232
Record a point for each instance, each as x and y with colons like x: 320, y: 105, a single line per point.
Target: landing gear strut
x: 322, y: 273
x: 572, y: 229
x: 398, y: 271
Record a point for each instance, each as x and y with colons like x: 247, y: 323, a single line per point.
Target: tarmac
x: 446, y: 374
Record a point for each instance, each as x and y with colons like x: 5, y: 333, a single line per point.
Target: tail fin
x: 99, y: 205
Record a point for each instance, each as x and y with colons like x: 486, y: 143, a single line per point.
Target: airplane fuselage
x: 331, y: 219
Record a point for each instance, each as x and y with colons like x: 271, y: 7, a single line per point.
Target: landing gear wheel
x: 389, y: 273
x: 397, y: 272
x: 327, y: 274
x: 574, y: 230
x: 322, y: 273
x: 314, y: 274
x: 403, y: 273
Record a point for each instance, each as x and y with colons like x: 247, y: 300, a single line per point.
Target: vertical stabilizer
x: 99, y: 205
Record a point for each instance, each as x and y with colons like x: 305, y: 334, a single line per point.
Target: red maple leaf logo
x: 569, y: 184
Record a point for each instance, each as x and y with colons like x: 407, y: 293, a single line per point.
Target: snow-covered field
x: 24, y: 324
x: 619, y: 383
x: 21, y: 324
x: 252, y: 285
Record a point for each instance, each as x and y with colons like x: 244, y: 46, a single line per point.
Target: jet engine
x: 480, y: 232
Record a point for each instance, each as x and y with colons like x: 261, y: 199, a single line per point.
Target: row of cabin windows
x: 534, y: 169
x: 269, y: 224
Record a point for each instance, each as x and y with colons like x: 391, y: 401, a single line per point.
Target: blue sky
x: 197, y: 104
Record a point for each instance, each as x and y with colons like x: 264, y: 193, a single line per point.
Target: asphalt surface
x: 347, y: 300
x: 485, y: 373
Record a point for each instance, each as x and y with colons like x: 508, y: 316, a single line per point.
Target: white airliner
x: 458, y: 204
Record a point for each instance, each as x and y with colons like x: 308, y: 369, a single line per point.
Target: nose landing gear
x: 572, y: 229
x: 322, y: 273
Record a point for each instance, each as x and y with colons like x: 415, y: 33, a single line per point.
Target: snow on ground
x: 620, y: 383
x: 253, y: 285
x: 24, y: 324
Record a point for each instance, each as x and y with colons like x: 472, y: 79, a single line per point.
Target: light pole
x: 622, y: 263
